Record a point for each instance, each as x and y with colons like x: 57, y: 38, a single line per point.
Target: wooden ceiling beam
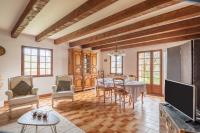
x: 157, y: 42
x: 185, y: 24
x: 83, y: 11
x: 177, y: 33
x: 31, y: 10
x: 135, y: 11
x: 163, y: 19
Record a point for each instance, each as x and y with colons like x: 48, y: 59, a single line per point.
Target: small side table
x: 28, y: 120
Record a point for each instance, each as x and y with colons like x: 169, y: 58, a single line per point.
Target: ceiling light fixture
x: 116, y: 52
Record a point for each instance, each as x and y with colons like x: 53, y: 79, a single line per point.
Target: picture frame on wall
x: 2, y: 51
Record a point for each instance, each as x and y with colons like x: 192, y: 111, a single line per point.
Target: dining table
x: 133, y: 87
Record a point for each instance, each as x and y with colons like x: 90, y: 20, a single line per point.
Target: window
x: 116, y: 64
x: 37, y: 61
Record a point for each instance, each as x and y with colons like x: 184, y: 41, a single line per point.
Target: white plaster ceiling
x: 10, y: 10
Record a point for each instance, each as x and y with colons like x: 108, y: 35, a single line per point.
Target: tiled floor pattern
x: 93, y: 116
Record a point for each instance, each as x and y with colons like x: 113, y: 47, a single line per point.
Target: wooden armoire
x: 82, y: 64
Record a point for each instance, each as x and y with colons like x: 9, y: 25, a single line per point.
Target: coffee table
x: 28, y: 120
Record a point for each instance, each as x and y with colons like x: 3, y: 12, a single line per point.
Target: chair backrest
x: 100, y: 78
x: 64, y: 83
x: 110, y: 75
x: 14, y: 81
x: 132, y: 77
x: 120, y: 76
x: 21, y: 85
x: 119, y: 82
x: 101, y: 74
x: 64, y: 78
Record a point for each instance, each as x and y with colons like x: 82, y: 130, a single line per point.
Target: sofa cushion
x: 23, y: 100
x: 64, y: 86
x: 22, y: 89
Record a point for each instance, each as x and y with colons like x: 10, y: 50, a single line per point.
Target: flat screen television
x: 182, y: 97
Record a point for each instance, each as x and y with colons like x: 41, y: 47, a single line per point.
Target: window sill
x: 117, y: 73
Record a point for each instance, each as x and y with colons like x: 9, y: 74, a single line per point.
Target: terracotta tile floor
x: 93, y: 116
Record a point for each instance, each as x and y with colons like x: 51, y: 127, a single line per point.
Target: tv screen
x: 181, y: 96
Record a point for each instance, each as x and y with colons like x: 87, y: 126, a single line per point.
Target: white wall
x: 174, y: 63
x: 98, y: 59
x: 179, y: 63
x: 130, y: 60
x: 10, y: 63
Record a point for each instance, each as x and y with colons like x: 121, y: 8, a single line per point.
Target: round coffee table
x: 28, y: 120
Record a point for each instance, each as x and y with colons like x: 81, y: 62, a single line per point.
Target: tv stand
x: 173, y: 121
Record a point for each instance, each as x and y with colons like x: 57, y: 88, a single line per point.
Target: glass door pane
x: 144, y: 67
x: 156, y: 68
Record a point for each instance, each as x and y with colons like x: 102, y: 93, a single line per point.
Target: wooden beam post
x: 83, y: 11
x: 177, y: 33
x: 185, y: 24
x: 157, y: 42
x: 31, y: 10
x: 163, y: 19
x: 140, y: 9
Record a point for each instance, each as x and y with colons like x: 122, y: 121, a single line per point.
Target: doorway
x: 149, y: 64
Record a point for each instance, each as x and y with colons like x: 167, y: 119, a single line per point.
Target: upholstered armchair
x: 63, y: 88
x: 21, y: 92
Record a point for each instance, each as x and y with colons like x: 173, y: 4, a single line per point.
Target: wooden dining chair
x: 132, y: 77
x: 120, y: 91
x: 99, y: 84
x: 101, y: 74
x: 107, y: 90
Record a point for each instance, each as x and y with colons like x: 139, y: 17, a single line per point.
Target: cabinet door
x: 86, y: 59
x: 77, y: 63
x: 93, y: 80
x: 93, y: 63
x: 70, y: 61
x: 94, y: 59
x: 87, y: 81
x: 78, y: 83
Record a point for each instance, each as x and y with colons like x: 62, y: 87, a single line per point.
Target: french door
x: 150, y: 70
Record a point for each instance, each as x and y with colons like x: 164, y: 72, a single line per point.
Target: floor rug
x: 64, y: 126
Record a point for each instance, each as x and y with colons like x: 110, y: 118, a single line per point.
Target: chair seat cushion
x: 63, y: 86
x: 23, y: 100
x: 63, y: 94
x: 21, y: 89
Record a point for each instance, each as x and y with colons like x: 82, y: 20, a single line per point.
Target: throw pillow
x: 22, y: 89
x: 63, y: 85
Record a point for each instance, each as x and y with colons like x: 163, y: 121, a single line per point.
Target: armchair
x: 21, y: 92
x: 63, y: 88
